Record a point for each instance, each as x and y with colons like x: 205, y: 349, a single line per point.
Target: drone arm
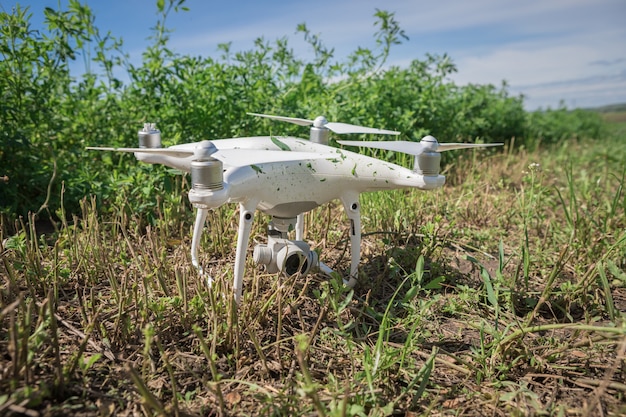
x: 352, y: 207
x: 246, y: 217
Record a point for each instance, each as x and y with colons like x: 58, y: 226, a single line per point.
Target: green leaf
x: 491, y: 295
x: 410, y: 294
x: 614, y: 269
x: 89, y: 361
x: 257, y: 169
x: 280, y: 144
x: 435, y: 284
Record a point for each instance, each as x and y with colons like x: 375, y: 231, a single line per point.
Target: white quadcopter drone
x: 285, y: 177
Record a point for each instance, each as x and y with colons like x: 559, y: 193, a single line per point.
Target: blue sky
x: 549, y: 50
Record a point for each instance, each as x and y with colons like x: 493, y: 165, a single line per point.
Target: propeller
x: 321, y: 122
x: 231, y: 157
x: 427, y: 144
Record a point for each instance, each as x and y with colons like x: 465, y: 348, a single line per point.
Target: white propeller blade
x: 294, y: 120
x: 176, y: 153
x: 339, y: 128
x: 398, y: 146
x: 416, y: 148
x: 231, y: 157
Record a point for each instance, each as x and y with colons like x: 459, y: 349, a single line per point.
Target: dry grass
x: 501, y: 294
x: 615, y: 117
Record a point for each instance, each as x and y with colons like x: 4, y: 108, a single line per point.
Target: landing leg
x: 353, y: 211
x: 246, y: 217
x: 198, y: 227
x: 300, y: 227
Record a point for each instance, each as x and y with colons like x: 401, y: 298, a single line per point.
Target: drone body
x: 309, y: 175
x: 285, y: 177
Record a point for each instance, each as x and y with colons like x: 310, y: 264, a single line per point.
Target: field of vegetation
x: 503, y: 293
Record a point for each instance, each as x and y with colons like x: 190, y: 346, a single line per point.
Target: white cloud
x: 535, y: 62
x: 534, y: 44
x: 577, y: 93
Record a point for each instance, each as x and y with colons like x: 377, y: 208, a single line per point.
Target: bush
x: 553, y: 126
x: 49, y: 116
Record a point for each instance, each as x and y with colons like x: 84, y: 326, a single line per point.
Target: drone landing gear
x: 246, y: 217
x: 281, y: 254
x: 353, y: 211
x: 198, y: 226
x: 295, y: 256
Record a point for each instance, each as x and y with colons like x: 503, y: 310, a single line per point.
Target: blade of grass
x: 423, y: 375
x: 216, y: 375
x: 608, y: 297
x: 310, y: 387
x: 146, y: 395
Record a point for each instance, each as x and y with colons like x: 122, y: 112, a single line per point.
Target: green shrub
x: 49, y: 116
x: 553, y: 126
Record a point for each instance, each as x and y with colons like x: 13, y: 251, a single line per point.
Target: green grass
x: 501, y: 294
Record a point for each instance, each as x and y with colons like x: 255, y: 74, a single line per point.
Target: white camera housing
x: 290, y: 257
